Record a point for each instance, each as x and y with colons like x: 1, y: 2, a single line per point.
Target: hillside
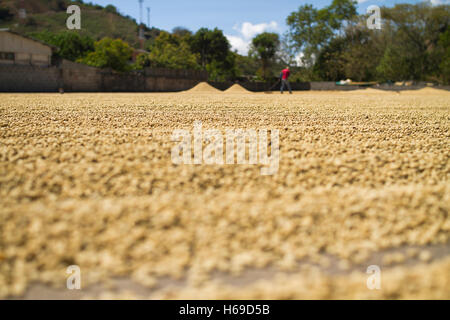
x: 50, y: 15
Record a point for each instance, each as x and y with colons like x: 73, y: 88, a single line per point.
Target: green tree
x: 413, y: 33
x: 310, y: 29
x: 355, y: 55
x: 213, y: 50
x: 142, y: 61
x: 362, y: 53
x: 110, y: 53
x: 264, y: 46
x: 210, y: 45
x: 171, y: 51
x: 341, y: 11
x: 444, y: 43
x: 305, y: 33
x: 330, y: 64
x: 70, y: 45
x: 338, y: 45
x: 181, y: 32
x: 247, y: 66
x: 111, y: 9
x: 5, y: 14
x: 223, y: 70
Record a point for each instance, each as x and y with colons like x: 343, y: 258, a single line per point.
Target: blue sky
x: 239, y: 19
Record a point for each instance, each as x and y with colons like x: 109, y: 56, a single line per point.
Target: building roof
x: 29, y: 38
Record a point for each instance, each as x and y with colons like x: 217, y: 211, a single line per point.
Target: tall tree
x: 265, y: 46
x: 355, y: 55
x: 181, y: 32
x: 172, y: 51
x: 336, y: 44
x: 310, y: 29
x: 444, y: 49
x: 414, y: 33
x: 5, y: 14
x: 340, y: 12
x: 223, y: 70
x: 211, y: 45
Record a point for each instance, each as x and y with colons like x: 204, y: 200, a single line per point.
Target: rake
x: 270, y: 89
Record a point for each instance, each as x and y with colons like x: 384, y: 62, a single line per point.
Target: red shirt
x: 286, y: 74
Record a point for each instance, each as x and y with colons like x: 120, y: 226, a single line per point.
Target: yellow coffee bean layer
x: 87, y: 179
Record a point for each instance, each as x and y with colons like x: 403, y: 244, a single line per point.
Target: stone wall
x: 75, y: 77
x: 80, y: 78
x: 27, y: 78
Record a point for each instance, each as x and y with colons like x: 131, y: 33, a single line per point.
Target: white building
x: 17, y: 49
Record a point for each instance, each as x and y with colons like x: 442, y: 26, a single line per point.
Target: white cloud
x: 298, y: 59
x: 247, y: 31
x: 239, y: 44
x: 433, y: 2
x: 438, y: 2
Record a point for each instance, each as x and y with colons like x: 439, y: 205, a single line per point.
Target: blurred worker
x: 284, y: 76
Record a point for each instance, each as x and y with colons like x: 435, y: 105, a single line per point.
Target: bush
x: 5, y: 14
x: 71, y: 45
x: 30, y: 22
x: 110, y: 53
x: 111, y: 9
x: 142, y: 61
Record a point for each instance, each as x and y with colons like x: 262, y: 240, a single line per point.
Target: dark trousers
x: 285, y: 82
